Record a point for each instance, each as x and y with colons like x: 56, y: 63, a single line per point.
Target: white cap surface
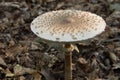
x: 67, y: 25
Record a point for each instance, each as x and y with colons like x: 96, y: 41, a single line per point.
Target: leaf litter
x: 22, y: 54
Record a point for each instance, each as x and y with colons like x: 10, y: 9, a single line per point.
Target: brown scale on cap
x: 68, y: 25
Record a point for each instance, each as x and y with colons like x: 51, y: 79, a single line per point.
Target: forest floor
x: 23, y: 57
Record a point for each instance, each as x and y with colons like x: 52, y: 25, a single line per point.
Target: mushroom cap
x: 67, y: 25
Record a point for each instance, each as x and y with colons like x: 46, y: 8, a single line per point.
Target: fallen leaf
x: 37, y: 76
x: 22, y: 78
x: 19, y: 70
x: 113, y: 57
x: 2, y: 62
x: 60, y: 5
x: 13, y: 51
x: 82, y: 60
x: 116, y: 65
x: 117, y: 49
x: 9, y: 73
x: 98, y: 79
x: 110, y: 46
x: 2, y: 45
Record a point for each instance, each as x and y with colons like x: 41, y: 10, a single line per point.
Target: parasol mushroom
x: 67, y: 27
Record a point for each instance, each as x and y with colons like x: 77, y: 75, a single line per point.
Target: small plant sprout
x: 67, y: 27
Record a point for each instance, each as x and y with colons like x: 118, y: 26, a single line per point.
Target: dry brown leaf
x: 2, y: 45
x: 2, y: 62
x: 113, y: 57
x: 34, y: 46
x: 19, y: 70
x: 98, y: 79
x: 11, y: 43
x: 22, y: 78
x: 60, y: 5
x: 84, y: 65
x: 37, y: 76
x: 2, y: 27
x: 13, y: 51
x: 117, y: 49
x: 9, y: 73
x: 82, y: 60
x: 110, y: 46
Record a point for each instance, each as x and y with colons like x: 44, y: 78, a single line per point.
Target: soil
x: 24, y: 57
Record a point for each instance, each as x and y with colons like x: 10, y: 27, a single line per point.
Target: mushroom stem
x: 68, y: 61
x: 68, y: 66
